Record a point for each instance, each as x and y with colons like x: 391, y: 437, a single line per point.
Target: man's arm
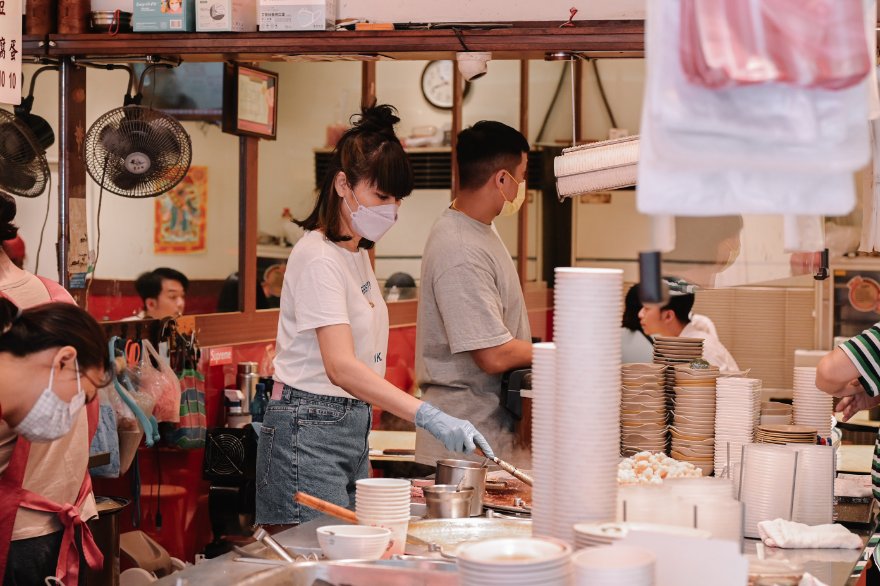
x: 508, y: 356
x: 837, y: 375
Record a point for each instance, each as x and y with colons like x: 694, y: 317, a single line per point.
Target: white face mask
x: 511, y: 207
x: 51, y: 418
x: 372, y: 223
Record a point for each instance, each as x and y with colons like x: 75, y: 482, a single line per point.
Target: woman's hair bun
x: 381, y: 118
x: 8, y: 230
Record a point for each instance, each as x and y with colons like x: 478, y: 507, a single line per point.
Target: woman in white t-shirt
x: 333, y: 336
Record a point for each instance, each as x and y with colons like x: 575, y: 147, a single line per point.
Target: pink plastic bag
x: 161, y: 383
x: 808, y: 43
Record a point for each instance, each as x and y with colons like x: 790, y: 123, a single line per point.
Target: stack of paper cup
x: 767, y: 485
x: 384, y: 502
x: 588, y: 305
x: 812, y: 407
x: 614, y: 565
x: 814, y: 492
x: 543, y: 442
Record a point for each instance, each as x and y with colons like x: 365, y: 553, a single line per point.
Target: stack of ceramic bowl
x: 693, y: 423
x: 737, y: 413
x: 766, y: 484
x: 773, y: 412
x: 610, y: 566
x: 674, y: 351
x: 543, y: 440
x: 642, y: 409
x: 814, y: 492
x: 586, y: 330
x: 384, y: 502
x: 812, y: 407
x: 599, y: 534
x: 515, y: 561
x: 785, y: 434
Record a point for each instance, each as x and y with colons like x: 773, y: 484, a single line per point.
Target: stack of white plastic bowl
x: 717, y: 509
x: 514, y: 562
x: 611, y: 566
x: 767, y: 484
x: 587, y: 308
x: 812, y: 407
x: 384, y: 502
x: 543, y: 439
x: 814, y: 492
x: 737, y: 413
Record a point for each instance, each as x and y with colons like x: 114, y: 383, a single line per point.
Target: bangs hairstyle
x: 486, y: 147
x: 368, y: 152
x: 54, y: 325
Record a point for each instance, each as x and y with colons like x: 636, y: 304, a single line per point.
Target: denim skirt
x: 316, y: 444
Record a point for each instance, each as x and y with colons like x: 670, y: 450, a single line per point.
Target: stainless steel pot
x: 445, y: 501
x: 452, y: 471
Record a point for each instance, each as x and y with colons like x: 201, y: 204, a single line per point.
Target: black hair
x: 400, y: 279
x: 486, y: 147
x: 369, y: 151
x: 8, y: 230
x: 681, y: 305
x: 53, y: 325
x: 632, y: 307
x: 149, y: 284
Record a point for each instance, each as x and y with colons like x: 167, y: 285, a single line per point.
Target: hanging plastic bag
x: 193, y: 425
x: 106, y: 438
x: 161, y: 383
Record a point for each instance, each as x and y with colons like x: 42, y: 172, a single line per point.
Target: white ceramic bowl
x: 358, y: 542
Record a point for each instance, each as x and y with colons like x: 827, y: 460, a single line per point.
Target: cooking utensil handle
x: 514, y: 471
x: 325, y: 507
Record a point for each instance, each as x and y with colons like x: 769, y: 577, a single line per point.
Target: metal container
x: 445, y: 501
x: 452, y: 471
x: 247, y: 382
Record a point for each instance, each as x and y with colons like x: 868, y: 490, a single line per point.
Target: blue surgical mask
x: 51, y: 418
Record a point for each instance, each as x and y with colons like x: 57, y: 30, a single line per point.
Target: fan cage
x: 24, y: 170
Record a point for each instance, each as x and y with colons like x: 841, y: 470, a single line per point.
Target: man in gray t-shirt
x: 472, y: 323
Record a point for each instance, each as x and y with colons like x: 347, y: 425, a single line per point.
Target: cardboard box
x: 164, y: 16
x: 287, y: 15
x: 238, y: 16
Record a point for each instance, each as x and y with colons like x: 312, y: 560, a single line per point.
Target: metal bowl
x: 444, y: 501
x: 105, y: 21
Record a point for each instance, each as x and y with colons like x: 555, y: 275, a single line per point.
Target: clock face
x: 437, y: 83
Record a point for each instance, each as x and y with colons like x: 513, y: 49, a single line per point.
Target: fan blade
x: 14, y: 145
x: 124, y: 180
x: 41, y: 129
x: 115, y: 141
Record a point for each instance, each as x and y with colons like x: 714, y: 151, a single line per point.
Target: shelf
x: 524, y: 40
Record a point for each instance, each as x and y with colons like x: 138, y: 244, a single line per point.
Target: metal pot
x: 452, y: 471
x: 445, y: 501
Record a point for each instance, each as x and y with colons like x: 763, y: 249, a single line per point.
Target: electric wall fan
x: 135, y: 151
x: 24, y: 138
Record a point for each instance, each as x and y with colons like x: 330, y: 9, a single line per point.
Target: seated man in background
x: 674, y: 320
x: 163, y: 292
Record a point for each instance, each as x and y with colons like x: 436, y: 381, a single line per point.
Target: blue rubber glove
x: 458, y: 435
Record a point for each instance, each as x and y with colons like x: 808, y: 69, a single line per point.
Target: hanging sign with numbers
x: 10, y: 51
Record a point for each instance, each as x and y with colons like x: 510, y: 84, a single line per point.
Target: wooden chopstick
x: 325, y: 507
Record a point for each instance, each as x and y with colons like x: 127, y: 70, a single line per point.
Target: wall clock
x: 437, y: 84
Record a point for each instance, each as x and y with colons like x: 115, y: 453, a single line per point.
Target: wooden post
x: 522, y: 230
x: 71, y: 169
x: 457, y: 101
x: 579, y: 100
x: 368, y: 83
x: 248, y: 157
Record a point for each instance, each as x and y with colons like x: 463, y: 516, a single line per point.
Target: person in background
x: 852, y: 371
x: 268, y: 290
x: 14, y: 249
x: 674, y: 320
x: 472, y: 320
x: 333, y: 336
x: 163, y: 292
x: 635, y: 344
x: 400, y: 286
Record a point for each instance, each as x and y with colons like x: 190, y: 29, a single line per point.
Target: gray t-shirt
x: 470, y: 299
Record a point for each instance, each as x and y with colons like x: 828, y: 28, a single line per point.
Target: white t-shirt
x: 325, y: 284
x: 714, y: 351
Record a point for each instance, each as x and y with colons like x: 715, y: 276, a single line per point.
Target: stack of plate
x: 814, y: 492
x: 514, y: 561
x: 599, y: 534
x: 693, y: 423
x: 737, y: 413
x: 642, y: 409
x: 610, y: 566
x: 766, y: 485
x: 785, y: 434
x: 673, y: 351
x: 773, y: 412
x: 812, y: 407
x: 586, y: 330
x: 543, y: 441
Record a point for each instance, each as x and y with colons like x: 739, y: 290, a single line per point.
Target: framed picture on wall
x: 250, y: 101
x: 190, y: 91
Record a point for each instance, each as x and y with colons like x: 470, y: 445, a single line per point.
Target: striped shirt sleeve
x: 864, y: 352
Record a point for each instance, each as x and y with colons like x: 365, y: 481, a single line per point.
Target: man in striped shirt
x: 852, y: 371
